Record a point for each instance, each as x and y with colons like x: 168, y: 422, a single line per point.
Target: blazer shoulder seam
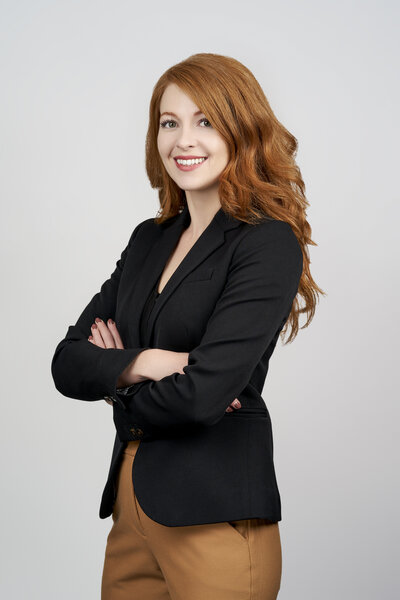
x: 262, y: 230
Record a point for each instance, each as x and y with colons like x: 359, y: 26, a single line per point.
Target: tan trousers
x: 144, y: 560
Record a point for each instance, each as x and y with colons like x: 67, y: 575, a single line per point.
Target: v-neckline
x: 185, y: 258
x: 157, y: 293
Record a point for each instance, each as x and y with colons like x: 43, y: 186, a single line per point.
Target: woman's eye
x: 164, y: 124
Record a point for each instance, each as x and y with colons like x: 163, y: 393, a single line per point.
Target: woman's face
x: 185, y: 132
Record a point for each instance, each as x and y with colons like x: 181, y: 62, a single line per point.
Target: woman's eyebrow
x: 199, y: 112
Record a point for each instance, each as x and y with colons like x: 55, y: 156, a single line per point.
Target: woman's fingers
x: 110, y: 402
x: 105, y: 335
x: 115, y: 334
x: 235, y: 404
x: 97, y: 339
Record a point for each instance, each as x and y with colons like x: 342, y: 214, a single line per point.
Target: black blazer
x: 225, y: 304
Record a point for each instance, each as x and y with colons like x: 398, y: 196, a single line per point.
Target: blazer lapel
x: 211, y: 239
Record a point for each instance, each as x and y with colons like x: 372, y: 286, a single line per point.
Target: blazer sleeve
x: 261, y: 285
x: 82, y: 370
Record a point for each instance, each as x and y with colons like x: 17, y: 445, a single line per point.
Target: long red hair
x: 261, y: 177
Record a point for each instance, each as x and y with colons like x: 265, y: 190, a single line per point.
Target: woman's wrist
x: 137, y: 370
x: 140, y: 367
x: 152, y: 363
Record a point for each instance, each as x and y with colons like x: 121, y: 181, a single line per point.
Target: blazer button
x: 137, y: 433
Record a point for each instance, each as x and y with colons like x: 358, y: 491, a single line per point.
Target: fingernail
x: 94, y: 326
x: 97, y: 320
x: 90, y: 337
x: 237, y: 403
x: 229, y: 409
x: 110, y: 322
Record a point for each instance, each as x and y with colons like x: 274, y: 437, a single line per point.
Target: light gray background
x: 76, y: 81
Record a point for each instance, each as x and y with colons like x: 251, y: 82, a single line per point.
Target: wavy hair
x: 261, y: 178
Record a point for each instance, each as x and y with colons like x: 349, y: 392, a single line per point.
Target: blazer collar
x: 169, y: 234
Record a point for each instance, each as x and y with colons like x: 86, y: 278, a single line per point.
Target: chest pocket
x: 201, y: 274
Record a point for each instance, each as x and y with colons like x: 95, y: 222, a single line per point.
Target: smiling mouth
x: 191, y: 160
x: 190, y: 164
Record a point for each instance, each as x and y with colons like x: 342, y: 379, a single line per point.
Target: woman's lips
x: 189, y: 167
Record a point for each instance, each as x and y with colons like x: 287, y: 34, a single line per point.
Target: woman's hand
x: 105, y: 335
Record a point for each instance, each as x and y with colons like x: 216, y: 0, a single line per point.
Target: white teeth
x: 192, y: 161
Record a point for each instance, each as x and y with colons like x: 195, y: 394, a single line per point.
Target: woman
x: 178, y: 341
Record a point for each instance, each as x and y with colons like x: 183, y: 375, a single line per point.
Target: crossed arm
x: 152, y: 363
x: 262, y: 281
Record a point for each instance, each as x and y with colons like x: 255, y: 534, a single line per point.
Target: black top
x: 148, y: 307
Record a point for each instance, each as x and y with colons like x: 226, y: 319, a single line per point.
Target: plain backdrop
x: 76, y: 81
